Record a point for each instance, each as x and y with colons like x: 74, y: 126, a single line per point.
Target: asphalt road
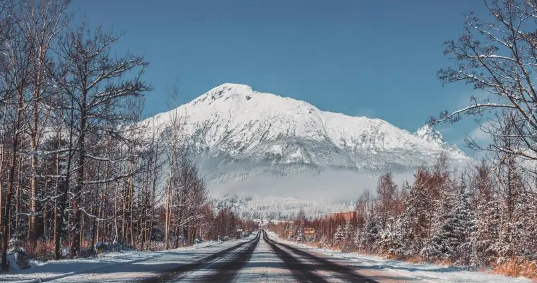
x: 261, y: 260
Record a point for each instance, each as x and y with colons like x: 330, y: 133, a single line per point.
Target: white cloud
x: 464, y: 97
x: 330, y: 185
x: 474, y: 132
x: 479, y: 135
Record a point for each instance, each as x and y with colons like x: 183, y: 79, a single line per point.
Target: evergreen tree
x: 371, y: 233
x: 391, y: 242
x: 485, y: 236
x: 450, y: 242
x: 415, y: 218
x: 339, y: 235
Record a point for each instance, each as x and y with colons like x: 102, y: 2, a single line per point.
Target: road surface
x: 259, y: 258
x: 256, y: 259
x: 262, y: 260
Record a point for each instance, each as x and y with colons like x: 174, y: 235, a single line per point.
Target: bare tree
x: 75, y: 160
x: 175, y: 153
x: 5, y: 24
x: 100, y: 86
x: 40, y: 23
x: 16, y: 76
x: 387, y: 198
x: 497, y: 57
x: 362, y: 207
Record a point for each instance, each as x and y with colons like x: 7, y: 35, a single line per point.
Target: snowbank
x: 51, y: 270
x: 424, y: 271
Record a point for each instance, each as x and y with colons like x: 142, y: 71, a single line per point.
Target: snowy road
x: 261, y: 258
x: 219, y: 267
x: 306, y: 267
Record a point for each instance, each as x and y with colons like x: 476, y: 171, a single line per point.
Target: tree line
x: 77, y: 169
x: 484, y: 217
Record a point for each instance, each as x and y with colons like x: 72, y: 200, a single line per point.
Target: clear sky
x: 358, y: 57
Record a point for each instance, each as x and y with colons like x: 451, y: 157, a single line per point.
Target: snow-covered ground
x: 424, y: 272
x: 264, y: 265
x: 114, y: 267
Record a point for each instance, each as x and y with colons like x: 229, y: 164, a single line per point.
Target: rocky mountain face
x: 237, y: 133
x: 428, y: 133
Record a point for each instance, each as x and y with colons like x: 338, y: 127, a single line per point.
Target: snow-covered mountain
x: 238, y: 133
x: 428, y: 133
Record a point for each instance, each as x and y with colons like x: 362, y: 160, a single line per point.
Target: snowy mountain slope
x: 237, y: 133
x: 428, y: 133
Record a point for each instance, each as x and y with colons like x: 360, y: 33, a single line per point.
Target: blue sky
x: 362, y: 58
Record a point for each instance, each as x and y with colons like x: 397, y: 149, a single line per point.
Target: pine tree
x: 485, y: 236
x: 339, y: 236
x: 391, y: 242
x: 450, y: 242
x: 386, y: 199
x: 415, y: 219
x: 371, y: 233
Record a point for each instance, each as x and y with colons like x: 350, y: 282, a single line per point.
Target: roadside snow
x: 57, y: 270
x: 423, y: 271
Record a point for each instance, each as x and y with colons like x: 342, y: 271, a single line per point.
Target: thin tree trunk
x: 116, y: 225
x: 2, y: 159
x: 168, y: 197
x: 101, y: 201
x: 19, y: 197
x: 124, y: 217
x: 93, y: 231
x: 75, y: 221
x: 131, y: 205
x: 11, y: 178
x: 63, y: 186
x: 167, y: 229
x: 100, y: 215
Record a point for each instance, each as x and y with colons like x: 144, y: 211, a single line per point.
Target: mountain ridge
x: 235, y: 131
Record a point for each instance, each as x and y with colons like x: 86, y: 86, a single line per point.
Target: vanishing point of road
x: 256, y: 259
x: 264, y: 260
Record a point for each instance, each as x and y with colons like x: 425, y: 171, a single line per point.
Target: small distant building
x: 290, y: 233
x: 309, y: 232
x: 348, y: 216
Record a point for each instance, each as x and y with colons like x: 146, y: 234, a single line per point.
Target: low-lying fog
x: 329, y: 186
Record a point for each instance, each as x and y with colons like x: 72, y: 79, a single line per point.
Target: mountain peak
x: 237, y: 133
x: 224, y: 91
x: 428, y: 133
x: 225, y: 87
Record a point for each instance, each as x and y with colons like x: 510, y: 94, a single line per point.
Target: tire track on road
x: 344, y: 273
x: 299, y: 270
x: 175, y: 273
x: 228, y: 270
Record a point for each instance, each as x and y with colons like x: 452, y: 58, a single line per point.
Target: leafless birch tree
x: 497, y: 56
